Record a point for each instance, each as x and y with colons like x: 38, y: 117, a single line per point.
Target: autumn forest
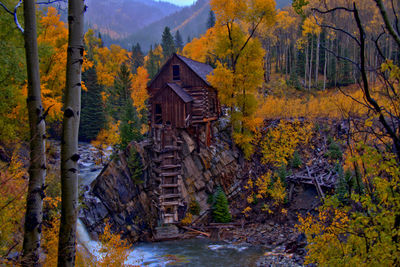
x: 301, y: 162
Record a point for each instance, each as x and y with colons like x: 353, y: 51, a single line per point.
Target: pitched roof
x: 201, y: 69
x: 179, y: 91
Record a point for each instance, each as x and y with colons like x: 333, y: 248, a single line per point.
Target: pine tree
x: 120, y: 94
x: 178, y: 41
x: 92, y: 115
x: 211, y: 20
x: 137, y: 58
x: 151, y: 64
x: 220, y: 209
x: 130, y: 125
x: 167, y: 43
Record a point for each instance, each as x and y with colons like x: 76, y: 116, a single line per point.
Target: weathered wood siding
x: 174, y: 110
x: 187, y: 77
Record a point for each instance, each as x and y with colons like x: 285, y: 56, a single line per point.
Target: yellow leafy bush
x: 281, y: 142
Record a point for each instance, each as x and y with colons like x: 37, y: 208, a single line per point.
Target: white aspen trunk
x: 325, y: 66
x: 311, y: 59
x: 306, y: 68
x: 317, y: 59
x: 37, y: 167
x: 69, y: 140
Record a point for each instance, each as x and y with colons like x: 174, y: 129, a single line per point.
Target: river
x: 190, y: 252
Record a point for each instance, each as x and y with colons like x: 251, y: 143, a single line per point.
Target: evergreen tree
x: 167, y: 43
x: 178, y: 41
x: 130, y: 125
x: 220, y: 209
x: 137, y: 58
x: 92, y: 114
x: 120, y: 94
x: 211, y: 20
x: 151, y: 65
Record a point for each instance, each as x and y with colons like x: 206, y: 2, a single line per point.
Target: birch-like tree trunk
x: 69, y: 141
x: 317, y: 59
x: 37, y: 168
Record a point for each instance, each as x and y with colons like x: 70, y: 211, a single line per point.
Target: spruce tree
x: 178, y: 41
x: 211, y: 20
x: 137, y: 58
x: 167, y: 43
x: 92, y: 114
x: 151, y: 65
x: 130, y: 125
x: 220, y: 209
x: 120, y: 94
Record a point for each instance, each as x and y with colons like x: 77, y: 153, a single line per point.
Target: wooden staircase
x: 169, y: 170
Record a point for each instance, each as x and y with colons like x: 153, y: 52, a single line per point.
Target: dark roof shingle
x: 180, y: 92
x: 201, y: 69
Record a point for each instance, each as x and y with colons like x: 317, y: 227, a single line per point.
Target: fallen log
x: 196, y: 231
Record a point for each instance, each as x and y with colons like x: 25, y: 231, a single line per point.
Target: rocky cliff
x: 130, y: 204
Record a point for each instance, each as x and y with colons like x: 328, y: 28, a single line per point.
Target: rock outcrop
x: 130, y: 205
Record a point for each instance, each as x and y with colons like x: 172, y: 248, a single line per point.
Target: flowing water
x: 190, y: 252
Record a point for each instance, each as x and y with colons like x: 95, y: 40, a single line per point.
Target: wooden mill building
x: 181, y: 98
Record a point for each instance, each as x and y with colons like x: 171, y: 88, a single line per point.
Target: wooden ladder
x: 167, y: 147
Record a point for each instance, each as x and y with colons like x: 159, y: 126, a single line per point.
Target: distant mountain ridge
x: 190, y: 21
x: 119, y: 18
x: 127, y: 22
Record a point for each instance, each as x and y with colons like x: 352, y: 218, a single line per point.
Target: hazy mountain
x: 190, y: 21
x: 119, y: 18
x: 126, y: 22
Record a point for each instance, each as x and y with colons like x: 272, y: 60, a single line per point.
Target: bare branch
x: 388, y: 25
x: 336, y: 29
x: 6, y: 9
x: 50, y: 2
x: 341, y: 57
x: 332, y: 10
x: 14, y: 14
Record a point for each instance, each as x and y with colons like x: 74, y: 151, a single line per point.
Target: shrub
x: 334, y: 151
x: 220, y: 209
x: 296, y: 161
x: 135, y: 166
x: 194, y: 207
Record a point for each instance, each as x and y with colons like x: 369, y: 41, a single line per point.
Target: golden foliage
x: 188, y: 219
x: 108, y: 62
x: 51, y: 231
x: 366, y: 236
x: 114, y: 250
x: 139, y: 89
x: 281, y: 142
x: 13, y: 187
x: 106, y: 138
x: 266, y: 187
x: 323, y: 105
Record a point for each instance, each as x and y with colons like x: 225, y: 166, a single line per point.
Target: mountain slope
x: 190, y: 21
x: 118, y: 18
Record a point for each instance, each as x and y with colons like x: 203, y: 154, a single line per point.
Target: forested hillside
x: 300, y: 161
x: 119, y: 18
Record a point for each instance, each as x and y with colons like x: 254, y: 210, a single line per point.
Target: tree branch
x: 388, y: 25
x: 336, y: 29
x: 14, y: 14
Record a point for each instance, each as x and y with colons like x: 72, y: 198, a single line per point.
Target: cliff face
x: 131, y: 205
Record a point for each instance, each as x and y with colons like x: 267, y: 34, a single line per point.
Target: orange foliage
x: 108, y: 62
x: 322, y: 105
x: 139, y: 92
x: 115, y: 250
x: 13, y: 185
x: 53, y: 40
